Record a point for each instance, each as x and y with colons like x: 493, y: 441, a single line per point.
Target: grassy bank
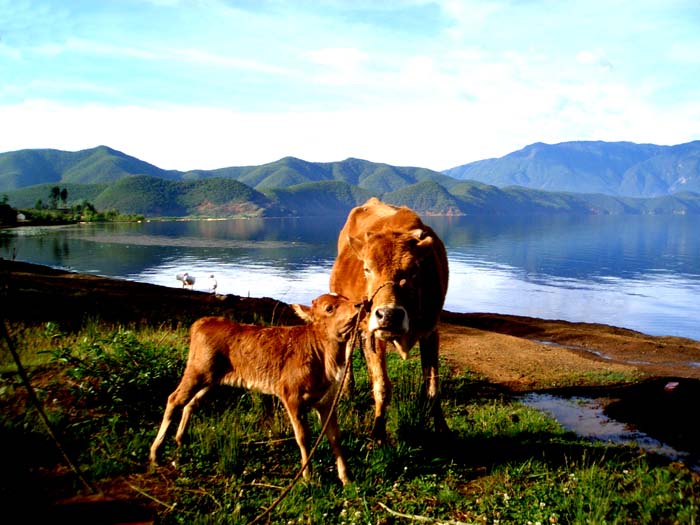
x: 104, y: 387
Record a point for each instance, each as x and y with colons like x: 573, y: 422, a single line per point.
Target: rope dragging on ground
x: 40, y: 409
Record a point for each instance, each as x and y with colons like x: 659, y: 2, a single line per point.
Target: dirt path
x: 525, y: 353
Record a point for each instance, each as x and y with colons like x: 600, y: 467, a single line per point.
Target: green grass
x: 104, y: 389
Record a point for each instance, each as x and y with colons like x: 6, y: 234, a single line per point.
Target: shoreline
x: 31, y: 291
x: 627, y: 372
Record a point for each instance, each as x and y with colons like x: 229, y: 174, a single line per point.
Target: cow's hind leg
x: 375, y: 357
x: 429, y: 351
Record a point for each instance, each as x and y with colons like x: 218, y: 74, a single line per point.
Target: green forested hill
x: 20, y: 169
x: 290, y: 171
x: 28, y: 197
x: 293, y: 187
x: 151, y: 196
x: 318, y: 198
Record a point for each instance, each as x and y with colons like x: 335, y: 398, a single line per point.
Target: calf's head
x: 391, y: 265
x: 333, y: 314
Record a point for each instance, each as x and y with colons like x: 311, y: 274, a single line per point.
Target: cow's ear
x: 304, y: 312
x: 423, y: 239
x: 425, y: 243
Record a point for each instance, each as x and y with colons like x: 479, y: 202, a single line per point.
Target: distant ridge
x: 23, y: 168
x: 598, y: 175
x: 622, y: 169
x: 19, y: 169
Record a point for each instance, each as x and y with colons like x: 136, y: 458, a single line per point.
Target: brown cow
x: 387, y: 254
x: 302, y: 365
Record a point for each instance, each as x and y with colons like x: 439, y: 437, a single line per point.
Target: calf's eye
x: 329, y: 309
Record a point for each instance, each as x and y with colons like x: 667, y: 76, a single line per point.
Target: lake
x: 639, y: 272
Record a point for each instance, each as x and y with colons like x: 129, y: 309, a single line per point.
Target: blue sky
x: 213, y: 83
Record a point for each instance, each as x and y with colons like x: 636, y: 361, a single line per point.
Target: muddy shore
x: 512, y: 354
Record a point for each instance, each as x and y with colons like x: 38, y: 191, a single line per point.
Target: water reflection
x: 641, y: 272
x: 586, y: 417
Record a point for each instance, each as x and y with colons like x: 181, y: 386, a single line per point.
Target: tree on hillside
x: 53, y: 196
x: 64, y: 197
x: 8, y: 215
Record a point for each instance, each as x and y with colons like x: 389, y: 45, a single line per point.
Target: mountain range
x: 623, y: 169
x: 571, y: 177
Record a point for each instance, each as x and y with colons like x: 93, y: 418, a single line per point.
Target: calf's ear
x: 304, y: 312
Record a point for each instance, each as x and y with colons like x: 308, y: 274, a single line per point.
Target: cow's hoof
x: 442, y: 428
x: 378, y: 434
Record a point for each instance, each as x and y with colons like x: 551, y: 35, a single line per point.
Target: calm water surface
x: 640, y: 272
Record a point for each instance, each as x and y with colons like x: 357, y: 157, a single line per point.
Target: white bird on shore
x: 212, y: 284
x: 187, y: 280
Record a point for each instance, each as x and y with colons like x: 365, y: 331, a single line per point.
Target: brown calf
x: 302, y: 365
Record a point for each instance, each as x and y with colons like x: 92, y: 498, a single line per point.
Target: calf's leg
x: 301, y: 431
x: 333, y: 435
x: 187, y: 413
x: 188, y: 392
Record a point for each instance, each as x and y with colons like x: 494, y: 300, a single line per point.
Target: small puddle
x: 586, y: 418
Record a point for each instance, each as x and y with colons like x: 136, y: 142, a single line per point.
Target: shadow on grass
x: 652, y: 407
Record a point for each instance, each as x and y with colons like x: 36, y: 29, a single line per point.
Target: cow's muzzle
x: 388, y: 322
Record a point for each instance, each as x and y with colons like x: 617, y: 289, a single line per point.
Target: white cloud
x: 338, y: 57
x: 685, y: 53
x: 594, y: 58
x: 189, y: 55
x: 202, y: 57
x: 91, y: 47
x: 466, y: 16
x: 464, y: 93
x: 9, y: 52
x: 436, y: 135
x: 339, y: 65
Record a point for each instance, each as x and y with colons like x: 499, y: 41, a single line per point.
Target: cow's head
x: 335, y: 315
x: 391, y: 265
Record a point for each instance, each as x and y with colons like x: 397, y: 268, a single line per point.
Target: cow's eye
x: 329, y: 309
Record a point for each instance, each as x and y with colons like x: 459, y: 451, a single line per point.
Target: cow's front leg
x: 429, y: 356
x: 375, y: 357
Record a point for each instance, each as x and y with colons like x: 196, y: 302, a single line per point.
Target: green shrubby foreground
x: 104, y: 389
